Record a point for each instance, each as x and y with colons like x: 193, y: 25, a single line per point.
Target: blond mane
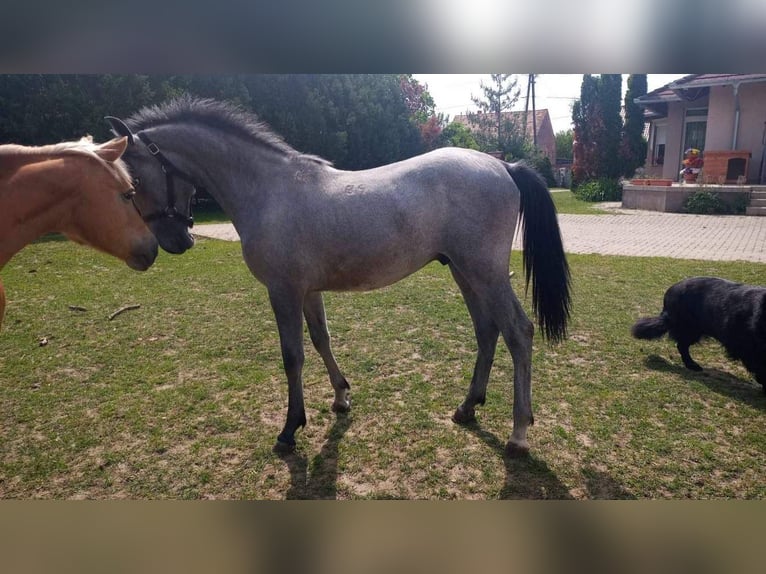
x: 85, y: 146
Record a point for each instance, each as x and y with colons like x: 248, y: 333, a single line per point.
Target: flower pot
x: 690, y: 177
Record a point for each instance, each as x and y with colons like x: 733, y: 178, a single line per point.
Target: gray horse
x: 307, y: 227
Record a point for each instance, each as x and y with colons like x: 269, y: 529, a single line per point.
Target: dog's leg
x: 683, y: 348
x: 760, y: 378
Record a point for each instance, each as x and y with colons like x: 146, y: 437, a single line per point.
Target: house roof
x: 690, y: 88
x: 516, y: 117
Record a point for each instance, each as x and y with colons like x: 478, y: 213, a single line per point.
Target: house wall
x: 752, y: 115
x: 720, y: 122
x: 546, y: 139
x: 673, y: 151
x: 720, y: 119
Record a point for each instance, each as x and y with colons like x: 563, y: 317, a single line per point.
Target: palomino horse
x: 306, y: 227
x: 80, y: 189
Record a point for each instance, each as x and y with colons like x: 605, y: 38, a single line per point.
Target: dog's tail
x: 650, y: 327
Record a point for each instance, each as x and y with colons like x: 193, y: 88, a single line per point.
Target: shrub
x: 599, y: 190
x: 543, y: 166
x: 705, y: 203
x: 739, y: 204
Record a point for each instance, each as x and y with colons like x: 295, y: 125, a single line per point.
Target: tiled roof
x: 673, y: 92
x: 516, y: 117
x: 707, y: 80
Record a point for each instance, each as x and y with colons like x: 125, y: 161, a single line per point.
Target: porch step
x: 757, y: 204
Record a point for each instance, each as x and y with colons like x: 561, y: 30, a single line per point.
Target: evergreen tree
x: 586, y: 119
x: 610, y: 97
x: 597, y: 129
x: 633, y: 144
x: 495, y: 131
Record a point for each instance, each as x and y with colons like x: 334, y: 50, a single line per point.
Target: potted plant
x: 692, y: 164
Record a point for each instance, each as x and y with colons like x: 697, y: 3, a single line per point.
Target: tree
x: 41, y: 109
x: 586, y: 120
x: 496, y: 132
x: 633, y: 144
x: 356, y: 121
x: 564, y: 141
x: 610, y: 96
x: 418, y: 100
x: 422, y: 109
x: 457, y: 134
x: 597, y: 129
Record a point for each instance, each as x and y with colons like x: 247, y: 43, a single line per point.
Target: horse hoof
x: 341, y: 408
x: 513, y: 450
x: 283, y: 448
x: 462, y: 418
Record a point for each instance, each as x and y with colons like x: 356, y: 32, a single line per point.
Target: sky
x: 554, y: 92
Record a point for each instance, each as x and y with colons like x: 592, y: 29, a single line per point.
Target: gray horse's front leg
x: 313, y: 311
x: 287, y: 310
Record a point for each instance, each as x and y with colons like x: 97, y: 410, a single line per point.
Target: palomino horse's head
x: 163, y: 192
x: 104, y: 215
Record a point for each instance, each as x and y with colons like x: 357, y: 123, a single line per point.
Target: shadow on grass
x: 526, y: 477
x: 320, y: 482
x: 50, y: 237
x: 530, y: 477
x: 716, y: 380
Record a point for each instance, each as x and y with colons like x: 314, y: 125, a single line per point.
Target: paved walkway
x: 638, y: 233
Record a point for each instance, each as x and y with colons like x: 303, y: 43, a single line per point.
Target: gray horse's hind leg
x: 518, y: 331
x: 494, y: 292
x: 287, y: 310
x: 486, y: 337
x: 313, y: 311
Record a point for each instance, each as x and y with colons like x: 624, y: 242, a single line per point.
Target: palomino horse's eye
x: 128, y: 195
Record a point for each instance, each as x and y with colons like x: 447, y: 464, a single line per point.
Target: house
x: 546, y: 140
x: 724, y: 115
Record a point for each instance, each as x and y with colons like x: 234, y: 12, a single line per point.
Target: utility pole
x: 526, y: 108
x: 530, y: 89
x: 534, y: 113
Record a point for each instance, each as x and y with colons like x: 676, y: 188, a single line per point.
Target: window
x: 658, y: 144
x: 694, y: 129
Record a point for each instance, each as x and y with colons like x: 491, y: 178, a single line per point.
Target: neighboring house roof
x: 516, y: 117
x: 689, y: 88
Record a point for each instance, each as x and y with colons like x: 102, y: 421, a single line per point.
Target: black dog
x: 732, y: 313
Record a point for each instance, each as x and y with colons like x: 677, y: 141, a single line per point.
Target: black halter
x: 171, y: 172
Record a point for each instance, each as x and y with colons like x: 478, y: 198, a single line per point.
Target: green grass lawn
x: 209, y: 213
x: 184, y: 396
x: 566, y: 202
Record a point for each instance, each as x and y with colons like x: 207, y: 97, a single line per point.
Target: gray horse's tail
x: 544, y: 260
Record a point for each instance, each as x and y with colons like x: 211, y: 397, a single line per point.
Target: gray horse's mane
x: 223, y: 116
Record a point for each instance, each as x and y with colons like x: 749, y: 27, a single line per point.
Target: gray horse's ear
x: 120, y: 128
